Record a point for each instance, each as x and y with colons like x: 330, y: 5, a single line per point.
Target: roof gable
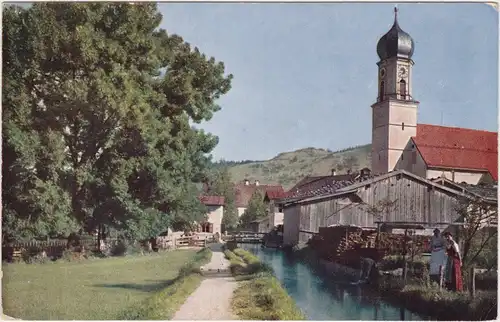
x: 459, y: 148
x: 212, y: 200
x: 244, y: 192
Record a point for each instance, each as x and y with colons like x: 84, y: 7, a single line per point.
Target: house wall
x: 414, y: 202
x: 215, y: 214
x: 412, y: 161
x: 277, y: 219
x: 241, y: 210
x: 456, y: 176
x: 291, y: 225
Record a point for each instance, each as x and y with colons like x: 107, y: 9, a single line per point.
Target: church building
x: 429, y: 151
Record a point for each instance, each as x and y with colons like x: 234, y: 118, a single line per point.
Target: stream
x: 319, y: 298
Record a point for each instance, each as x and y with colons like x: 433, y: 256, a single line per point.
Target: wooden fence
x: 56, y: 247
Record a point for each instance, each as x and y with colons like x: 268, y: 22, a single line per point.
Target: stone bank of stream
x: 321, y: 299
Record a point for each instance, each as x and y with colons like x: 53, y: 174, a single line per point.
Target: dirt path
x: 211, y: 301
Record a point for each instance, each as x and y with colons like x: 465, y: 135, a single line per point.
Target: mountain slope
x: 289, y: 167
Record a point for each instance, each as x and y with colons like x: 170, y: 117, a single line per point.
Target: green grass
x: 260, y: 295
x: 425, y: 298
x: 164, y: 304
x: 95, y: 289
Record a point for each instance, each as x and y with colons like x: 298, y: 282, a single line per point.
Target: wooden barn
x: 392, y: 198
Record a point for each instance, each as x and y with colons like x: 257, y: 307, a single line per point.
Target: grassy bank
x: 260, y: 295
x: 89, y: 290
x: 164, y: 304
x: 427, y: 299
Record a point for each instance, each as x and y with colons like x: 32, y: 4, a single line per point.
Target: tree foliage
x: 478, y: 236
x: 97, y: 106
x: 256, y: 209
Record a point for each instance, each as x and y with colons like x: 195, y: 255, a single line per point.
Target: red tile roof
x: 272, y: 195
x: 212, y: 200
x: 244, y: 192
x: 458, y: 148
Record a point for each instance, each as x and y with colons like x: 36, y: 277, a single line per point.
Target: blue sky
x: 305, y: 74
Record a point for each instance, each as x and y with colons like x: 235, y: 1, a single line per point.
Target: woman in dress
x: 453, y: 272
x: 438, y: 255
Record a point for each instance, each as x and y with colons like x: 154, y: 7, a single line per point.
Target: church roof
x: 458, y: 148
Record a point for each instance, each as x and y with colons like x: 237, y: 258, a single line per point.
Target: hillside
x: 289, y: 167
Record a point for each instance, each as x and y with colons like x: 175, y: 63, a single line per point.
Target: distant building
x: 215, y: 212
x: 429, y: 151
x: 245, y: 190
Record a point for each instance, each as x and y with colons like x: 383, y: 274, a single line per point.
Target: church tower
x: 394, y: 115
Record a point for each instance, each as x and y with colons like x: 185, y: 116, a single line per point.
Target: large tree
x: 97, y: 107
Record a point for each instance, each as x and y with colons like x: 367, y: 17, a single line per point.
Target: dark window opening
x: 402, y: 88
x: 280, y: 208
x: 402, y: 156
x: 382, y: 90
x: 403, y: 126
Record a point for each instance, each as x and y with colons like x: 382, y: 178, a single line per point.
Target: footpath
x: 212, y: 299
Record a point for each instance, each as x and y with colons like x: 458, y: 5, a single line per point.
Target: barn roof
x: 212, y: 200
x: 488, y: 191
x: 458, y: 148
x: 361, y: 182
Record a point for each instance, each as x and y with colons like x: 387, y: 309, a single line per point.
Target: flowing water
x: 321, y: 299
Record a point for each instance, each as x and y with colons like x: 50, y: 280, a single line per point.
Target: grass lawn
x: 98, y: 289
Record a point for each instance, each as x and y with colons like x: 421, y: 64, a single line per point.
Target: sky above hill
x: 305, y: 74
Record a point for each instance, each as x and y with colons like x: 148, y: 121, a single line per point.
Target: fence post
x: 472, y: 282
x: 440, y: 277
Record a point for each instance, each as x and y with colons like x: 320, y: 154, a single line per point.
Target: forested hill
x: 289, y: 167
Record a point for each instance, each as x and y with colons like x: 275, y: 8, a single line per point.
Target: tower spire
x: 396, y: 14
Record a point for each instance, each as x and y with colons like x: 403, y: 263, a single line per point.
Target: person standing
x: 438, y: 255
x: 453, y: 271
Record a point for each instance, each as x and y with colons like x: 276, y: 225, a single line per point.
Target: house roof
x: 244, y: 192
x: 323, y: 186
x: 458, y: 148
x: 212, y: 200
x: 276, y: 194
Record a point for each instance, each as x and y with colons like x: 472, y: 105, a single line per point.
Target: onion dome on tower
x: 396, y: 42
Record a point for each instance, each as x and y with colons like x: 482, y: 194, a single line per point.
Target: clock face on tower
x: 402, y: 72
x: 382, y: 72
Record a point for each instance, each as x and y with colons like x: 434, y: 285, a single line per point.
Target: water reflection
x: 319, y: 298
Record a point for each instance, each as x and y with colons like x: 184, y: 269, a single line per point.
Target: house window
x: 382, y: 90
x: 403, y: 126
x: 402, y: 88
x: 207, y: 227
x: 280, y: 208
